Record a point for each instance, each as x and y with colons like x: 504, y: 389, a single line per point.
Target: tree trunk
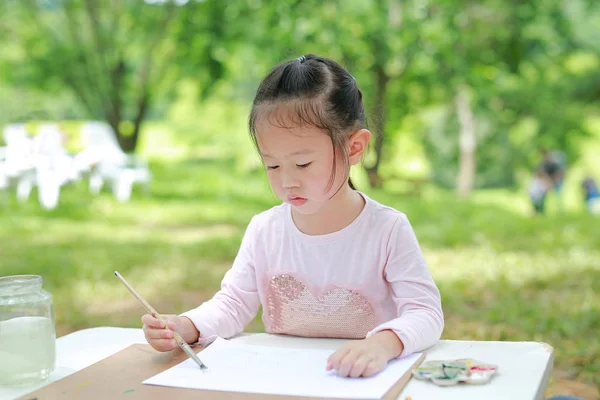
x: 393, y: 16
x: 129, y: 142
x: 466, y: 142
x: 378, y: 124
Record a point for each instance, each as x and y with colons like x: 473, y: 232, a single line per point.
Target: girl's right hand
x: 157, y: 334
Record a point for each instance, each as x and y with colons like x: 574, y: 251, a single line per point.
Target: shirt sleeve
x: 420, y: 319
x: 236, y: 303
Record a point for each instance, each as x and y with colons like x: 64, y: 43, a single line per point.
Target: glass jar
x: 27, y: 331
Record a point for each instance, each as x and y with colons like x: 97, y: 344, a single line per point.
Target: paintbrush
x: 184, y: 346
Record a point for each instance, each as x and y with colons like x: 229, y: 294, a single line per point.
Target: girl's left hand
x: 365, y: 357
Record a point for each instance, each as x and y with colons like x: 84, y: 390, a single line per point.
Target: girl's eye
x: 303, y: 165
x: 272, y: 166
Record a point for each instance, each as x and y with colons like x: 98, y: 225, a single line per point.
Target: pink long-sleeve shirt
x: 368, y: 277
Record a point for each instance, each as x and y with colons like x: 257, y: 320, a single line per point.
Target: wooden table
x: 524, y: 367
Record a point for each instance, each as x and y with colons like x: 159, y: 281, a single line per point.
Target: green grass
x: 503, y: 275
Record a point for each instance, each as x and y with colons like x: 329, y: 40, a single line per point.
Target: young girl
x: 329, y: 261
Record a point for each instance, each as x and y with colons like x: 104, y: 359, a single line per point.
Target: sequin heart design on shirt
x: 337, y: 313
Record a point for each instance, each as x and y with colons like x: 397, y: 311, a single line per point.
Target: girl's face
x: 299, y: 164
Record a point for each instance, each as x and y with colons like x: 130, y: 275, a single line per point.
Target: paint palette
x: 453, y: 372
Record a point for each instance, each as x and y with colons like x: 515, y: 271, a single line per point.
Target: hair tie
x: 301, y: 59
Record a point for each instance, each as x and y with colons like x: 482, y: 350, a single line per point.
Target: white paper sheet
x: 238, y: 367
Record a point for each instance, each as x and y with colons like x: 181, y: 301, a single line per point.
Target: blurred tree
x: 476, y: 58
x: 118, y: 56
x: 377, y: 40
x: 584, y: 65
x: 494, y: 80
x: 509, y: 61
x: 538, y: 86
x: 463, y: 36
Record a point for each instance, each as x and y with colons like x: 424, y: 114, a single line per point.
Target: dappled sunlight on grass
x: 151, y: 281
x: 549, y: 296
x: 518, y: 268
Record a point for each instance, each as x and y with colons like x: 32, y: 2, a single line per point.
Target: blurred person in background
x: 591, y: 195
x: 554, y: 165
x: 538, y: 188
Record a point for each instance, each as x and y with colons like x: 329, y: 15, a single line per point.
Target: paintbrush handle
x: 182, y: 343
x: 144, y: 303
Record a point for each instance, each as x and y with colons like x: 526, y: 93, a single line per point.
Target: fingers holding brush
x: 159, y: 333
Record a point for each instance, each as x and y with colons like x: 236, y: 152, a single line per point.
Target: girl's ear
x: 357, y: 145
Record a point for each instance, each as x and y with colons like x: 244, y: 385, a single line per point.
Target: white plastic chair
x: 54, y: 166
x: 4, y: 181
x: 108, y: 162
x: 18, y: 161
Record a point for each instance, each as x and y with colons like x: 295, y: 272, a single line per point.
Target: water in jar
x: 27, y: 349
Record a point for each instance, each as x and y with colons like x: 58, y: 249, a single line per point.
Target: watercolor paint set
x: 453, y: 372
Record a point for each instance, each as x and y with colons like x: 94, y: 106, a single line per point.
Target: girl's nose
x: 289, y: 180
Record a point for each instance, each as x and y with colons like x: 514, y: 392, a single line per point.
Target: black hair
x: 321, y: 93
